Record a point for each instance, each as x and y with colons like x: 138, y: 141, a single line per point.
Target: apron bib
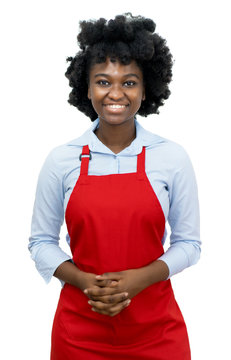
x: 116, y: 223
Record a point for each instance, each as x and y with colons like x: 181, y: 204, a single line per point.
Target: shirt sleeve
x: 184, y: 219
x: 47, y: 219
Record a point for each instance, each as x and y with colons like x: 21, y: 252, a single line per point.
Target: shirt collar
x: 143, y: 138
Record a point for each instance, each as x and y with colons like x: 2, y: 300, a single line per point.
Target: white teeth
x: 116, y: 106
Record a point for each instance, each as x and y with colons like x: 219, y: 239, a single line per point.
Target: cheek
x: 97, y: 101
x: 137, y: 99
x: 96, y: 95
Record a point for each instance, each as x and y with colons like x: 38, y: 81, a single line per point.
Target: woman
x: 117, y: 184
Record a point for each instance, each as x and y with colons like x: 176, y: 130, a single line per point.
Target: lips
x: 115, y: 106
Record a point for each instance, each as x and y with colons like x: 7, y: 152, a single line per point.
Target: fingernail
x: 126, y: 294
x: 98, y: 277
x: 85, y: 291
x: 89, y: 302
x: 114, y: 283
x: 128, y: 302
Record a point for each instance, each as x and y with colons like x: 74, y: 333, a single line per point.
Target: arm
x: 183, y: 218
x: 48, y: 215
x: 70, y: 274
x: 154, y: 272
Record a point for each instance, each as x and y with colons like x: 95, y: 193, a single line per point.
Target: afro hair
x: 125, y: 38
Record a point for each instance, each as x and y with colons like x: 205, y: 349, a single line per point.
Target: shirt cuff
x: 47, y: 258
x: 180, y: 256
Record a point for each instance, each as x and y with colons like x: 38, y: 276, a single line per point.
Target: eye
x: 103, y: 82
x: 129, y: 83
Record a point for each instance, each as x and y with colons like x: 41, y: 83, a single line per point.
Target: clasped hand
x: 110, y: 293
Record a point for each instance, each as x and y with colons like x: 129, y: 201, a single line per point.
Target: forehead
x: 116, y: 68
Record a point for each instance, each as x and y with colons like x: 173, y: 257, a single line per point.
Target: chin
x: 116, y: 120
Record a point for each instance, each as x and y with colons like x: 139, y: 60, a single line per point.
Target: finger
x: 106, y: 282
x: 107, y: 310
x: 87, y: 289
x: 111, y: 299
x: 109, y: 275
x: 119, y: 307
x: 99, y: 311
x: 100, y: 291
x: 107, y: 307
x: 98, y: 305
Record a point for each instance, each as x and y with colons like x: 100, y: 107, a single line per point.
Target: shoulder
x: 162, y: 152
x: 61, y: 153
x: 60, y: 156
x: 168, y: 152
x: 171, y: 151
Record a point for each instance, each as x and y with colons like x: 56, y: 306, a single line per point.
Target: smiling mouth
x: 113, y: 106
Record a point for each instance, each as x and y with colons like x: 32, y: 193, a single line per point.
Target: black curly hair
x: 125, y: 38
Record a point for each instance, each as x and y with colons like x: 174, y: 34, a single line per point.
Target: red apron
x: 115, y: 223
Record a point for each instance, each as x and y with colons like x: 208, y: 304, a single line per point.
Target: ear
x: 89, y: 94
x: 143, y: 94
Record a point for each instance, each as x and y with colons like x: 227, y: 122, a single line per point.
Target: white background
x: 36, y: 38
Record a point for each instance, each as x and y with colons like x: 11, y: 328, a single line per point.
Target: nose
x: 116, y: 93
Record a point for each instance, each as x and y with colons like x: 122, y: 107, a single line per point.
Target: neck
x: 116, y: 137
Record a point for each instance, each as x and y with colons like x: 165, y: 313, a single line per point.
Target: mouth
x: 115, y: 106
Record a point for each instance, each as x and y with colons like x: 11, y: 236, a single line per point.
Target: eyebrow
x: 126, y: 75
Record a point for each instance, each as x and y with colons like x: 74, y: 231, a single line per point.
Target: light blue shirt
x: 168, y: 169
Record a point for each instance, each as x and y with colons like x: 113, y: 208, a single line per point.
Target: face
x: 116, y: 91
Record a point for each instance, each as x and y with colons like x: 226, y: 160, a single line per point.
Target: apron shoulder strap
x: 141, y: 162
x: 84, y: 158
